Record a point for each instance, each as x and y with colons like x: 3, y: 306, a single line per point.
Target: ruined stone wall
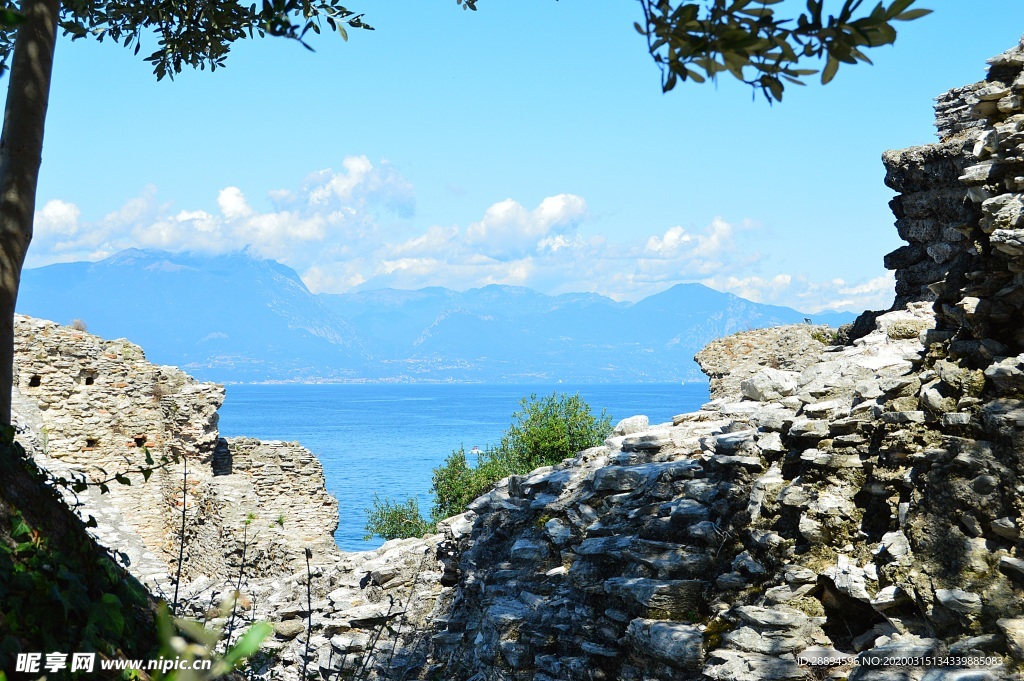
x: 96, y: 407
x: 731, y: 360
x: 932, y: 209
x: 101, y: 406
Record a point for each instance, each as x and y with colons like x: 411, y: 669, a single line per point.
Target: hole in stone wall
x: 89, y: 380
x: 140, y: 441
x: 91, y: 442
x: 34, y: 382
x: 846, y: 617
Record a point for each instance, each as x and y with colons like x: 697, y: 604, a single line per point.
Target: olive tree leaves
x: 189, y: 33
x: 749, y: 41
x: 199, y: 33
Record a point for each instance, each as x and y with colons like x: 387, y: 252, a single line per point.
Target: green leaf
x: 113, y: 619
x: 246, y: 646
x: 829, y: 72
x: 20, y: 528
x: 913, y: 14
x: 198, y: 633
x: 897, y: 8
x: 9, y: 18
x: 774, y: 86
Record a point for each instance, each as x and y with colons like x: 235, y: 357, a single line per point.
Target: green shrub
x: 393, y: 520
x: 548, y: 429
x: 544, y: 431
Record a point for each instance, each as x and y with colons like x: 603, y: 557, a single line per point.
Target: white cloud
x: 799, y: 292
x: 353, y: 228
x: 508, y: 230
x: 755, y: 288
x: 435, y: 241
x: 359, y: 184
x: 57, y: 218
x: 232, y: 203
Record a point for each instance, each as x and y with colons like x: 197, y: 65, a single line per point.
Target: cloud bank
x: 356, y: 227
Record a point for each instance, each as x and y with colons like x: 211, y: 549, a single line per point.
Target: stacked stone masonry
x: 97, y: 408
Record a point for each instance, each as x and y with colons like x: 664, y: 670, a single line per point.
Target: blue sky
x: 527, y: 143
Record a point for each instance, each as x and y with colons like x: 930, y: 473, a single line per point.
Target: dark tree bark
x: 21, y: 148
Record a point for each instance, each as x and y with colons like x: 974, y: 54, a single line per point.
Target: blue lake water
x: 387, y: 438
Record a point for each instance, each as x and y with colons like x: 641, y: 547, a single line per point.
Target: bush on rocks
x: 544, y: 431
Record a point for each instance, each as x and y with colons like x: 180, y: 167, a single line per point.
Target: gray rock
x: 750, y: 463
x: 737, y: 441
x: 773, y: 618
x: 732, y: 581
x: 646, y: 442
x: 678, y: 597
x: 914, y: 416
x: 770, y: 384
x: 1012, y: 566
x: 733, y: 665
x: 889, y: 597
x: 1007, y: 374
x: 558, y: 532
x: 809, y: 428
x: 526, y: 550
x: 517, y: 655
x: 633, y: 424
x: 1013, y: 630
x: 628, y: 478
x: 983, y: 642
x: 351, y: 642
x: 744, y: 563
x: 800, y: 575
x: 687, y: 512
x: 768, y: 642
x: 959, y: 600
x: 900, y: 647
x: 600, y: 650
x: 679, y: 645
x: 895, y: 544
x: 1006, y: 528
x: 849, y: 578
x: 288, y: 629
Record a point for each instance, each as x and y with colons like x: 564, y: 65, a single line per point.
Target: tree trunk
x: 21, y: 148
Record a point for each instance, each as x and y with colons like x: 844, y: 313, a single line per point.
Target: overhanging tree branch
x: 749, y: 41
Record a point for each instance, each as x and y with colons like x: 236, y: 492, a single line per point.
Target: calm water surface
x: 387, y: 439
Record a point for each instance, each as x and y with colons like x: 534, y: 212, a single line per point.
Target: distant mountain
x: 237, y: 318
x: 230, y: 318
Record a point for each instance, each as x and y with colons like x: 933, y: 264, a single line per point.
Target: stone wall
x: 96, y: 407
x: 731, y: 360
x: 933, y: 212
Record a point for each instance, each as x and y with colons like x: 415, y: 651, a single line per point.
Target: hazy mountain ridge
x: 238, y: 318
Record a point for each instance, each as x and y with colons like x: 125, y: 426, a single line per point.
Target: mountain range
x: 236, y: 318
